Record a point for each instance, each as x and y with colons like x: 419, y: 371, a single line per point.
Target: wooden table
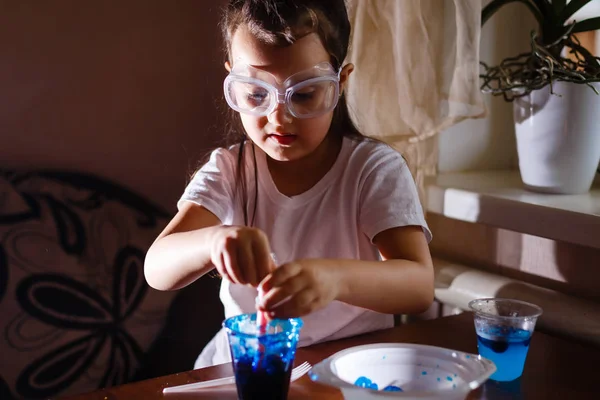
x: 555, y: 368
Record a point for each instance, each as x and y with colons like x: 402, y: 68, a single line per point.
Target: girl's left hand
x: 298, y: 288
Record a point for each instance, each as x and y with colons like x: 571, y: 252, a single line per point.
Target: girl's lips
x: 283, y: 139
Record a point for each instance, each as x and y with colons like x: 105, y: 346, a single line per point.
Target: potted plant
x: 555, y: 91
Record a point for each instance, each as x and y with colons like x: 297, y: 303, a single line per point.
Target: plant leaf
x: 571, y: 8
x: 495, y: 5
x: 590, y: 24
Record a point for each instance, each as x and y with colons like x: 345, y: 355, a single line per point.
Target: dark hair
x: 282, y: 23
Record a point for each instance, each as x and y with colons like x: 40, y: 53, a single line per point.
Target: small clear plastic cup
x: 504, y: 328
x: 262, y: 358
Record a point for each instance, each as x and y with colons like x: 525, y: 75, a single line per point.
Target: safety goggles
x: 306, y: 94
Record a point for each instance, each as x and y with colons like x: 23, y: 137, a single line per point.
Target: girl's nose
x: 280, y: 115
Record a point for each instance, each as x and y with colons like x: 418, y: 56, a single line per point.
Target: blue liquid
x: 269, y: 379
x: 507, y: 350
x: 365, y: 382
x: 262, y: 363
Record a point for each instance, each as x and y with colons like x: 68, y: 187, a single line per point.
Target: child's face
x: 279, y: 134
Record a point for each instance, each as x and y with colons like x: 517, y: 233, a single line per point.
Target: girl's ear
x: 346, y: 71
x: 227, y: 66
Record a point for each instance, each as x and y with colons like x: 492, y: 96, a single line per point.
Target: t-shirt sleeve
x: 212, y: 185
x: 389, y: 196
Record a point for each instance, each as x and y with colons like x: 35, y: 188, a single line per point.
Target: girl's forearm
x: 391, y: 286
x: 178, y: 259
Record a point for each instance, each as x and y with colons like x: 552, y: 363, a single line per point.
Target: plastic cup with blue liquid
x: 262, y: 357
x: 504, y: 328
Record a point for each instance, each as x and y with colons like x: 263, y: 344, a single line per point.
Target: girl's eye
x: 303, y: 95
x: 257, y: 97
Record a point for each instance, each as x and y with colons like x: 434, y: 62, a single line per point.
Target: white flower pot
x: 558, y: 138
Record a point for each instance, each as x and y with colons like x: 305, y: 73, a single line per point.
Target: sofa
x: 77, y: 313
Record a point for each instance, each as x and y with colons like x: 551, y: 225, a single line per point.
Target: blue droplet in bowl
x: 366, y: 383
x: 392, y: 388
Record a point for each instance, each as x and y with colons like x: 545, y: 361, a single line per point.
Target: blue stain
x: 366, y: 383
x: 439, y: 379
x: 424, y: 373
x: 392, y: 388
x: 468, y: 356
x: 449, y: 378
x: 384, y: 357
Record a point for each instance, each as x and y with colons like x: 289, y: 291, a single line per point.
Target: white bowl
x: 422, y: 372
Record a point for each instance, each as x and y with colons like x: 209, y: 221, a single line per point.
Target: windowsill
x: 498, y: 198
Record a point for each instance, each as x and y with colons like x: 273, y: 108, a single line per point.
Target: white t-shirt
x: 368, y: 189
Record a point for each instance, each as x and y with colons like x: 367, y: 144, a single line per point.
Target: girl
x: 338, y: 211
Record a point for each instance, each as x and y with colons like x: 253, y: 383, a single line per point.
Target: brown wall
x: 124, y: 89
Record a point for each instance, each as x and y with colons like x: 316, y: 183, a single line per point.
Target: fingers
x: 280, y: 275
x: 247, y: 264
x: 280, y: 294
x: 282, y: 286
x: 302, y: 303
x: 262, y: 258
x: 298, y: 288
x: 219, y: 263
x: 230, y: 261
x: 242, y: 255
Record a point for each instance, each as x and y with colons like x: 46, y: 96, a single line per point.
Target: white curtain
x: 416, y: 73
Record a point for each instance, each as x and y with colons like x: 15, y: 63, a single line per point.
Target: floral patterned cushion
x: 76, y: 312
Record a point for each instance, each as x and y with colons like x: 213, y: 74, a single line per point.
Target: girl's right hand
x: 241, y: 254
